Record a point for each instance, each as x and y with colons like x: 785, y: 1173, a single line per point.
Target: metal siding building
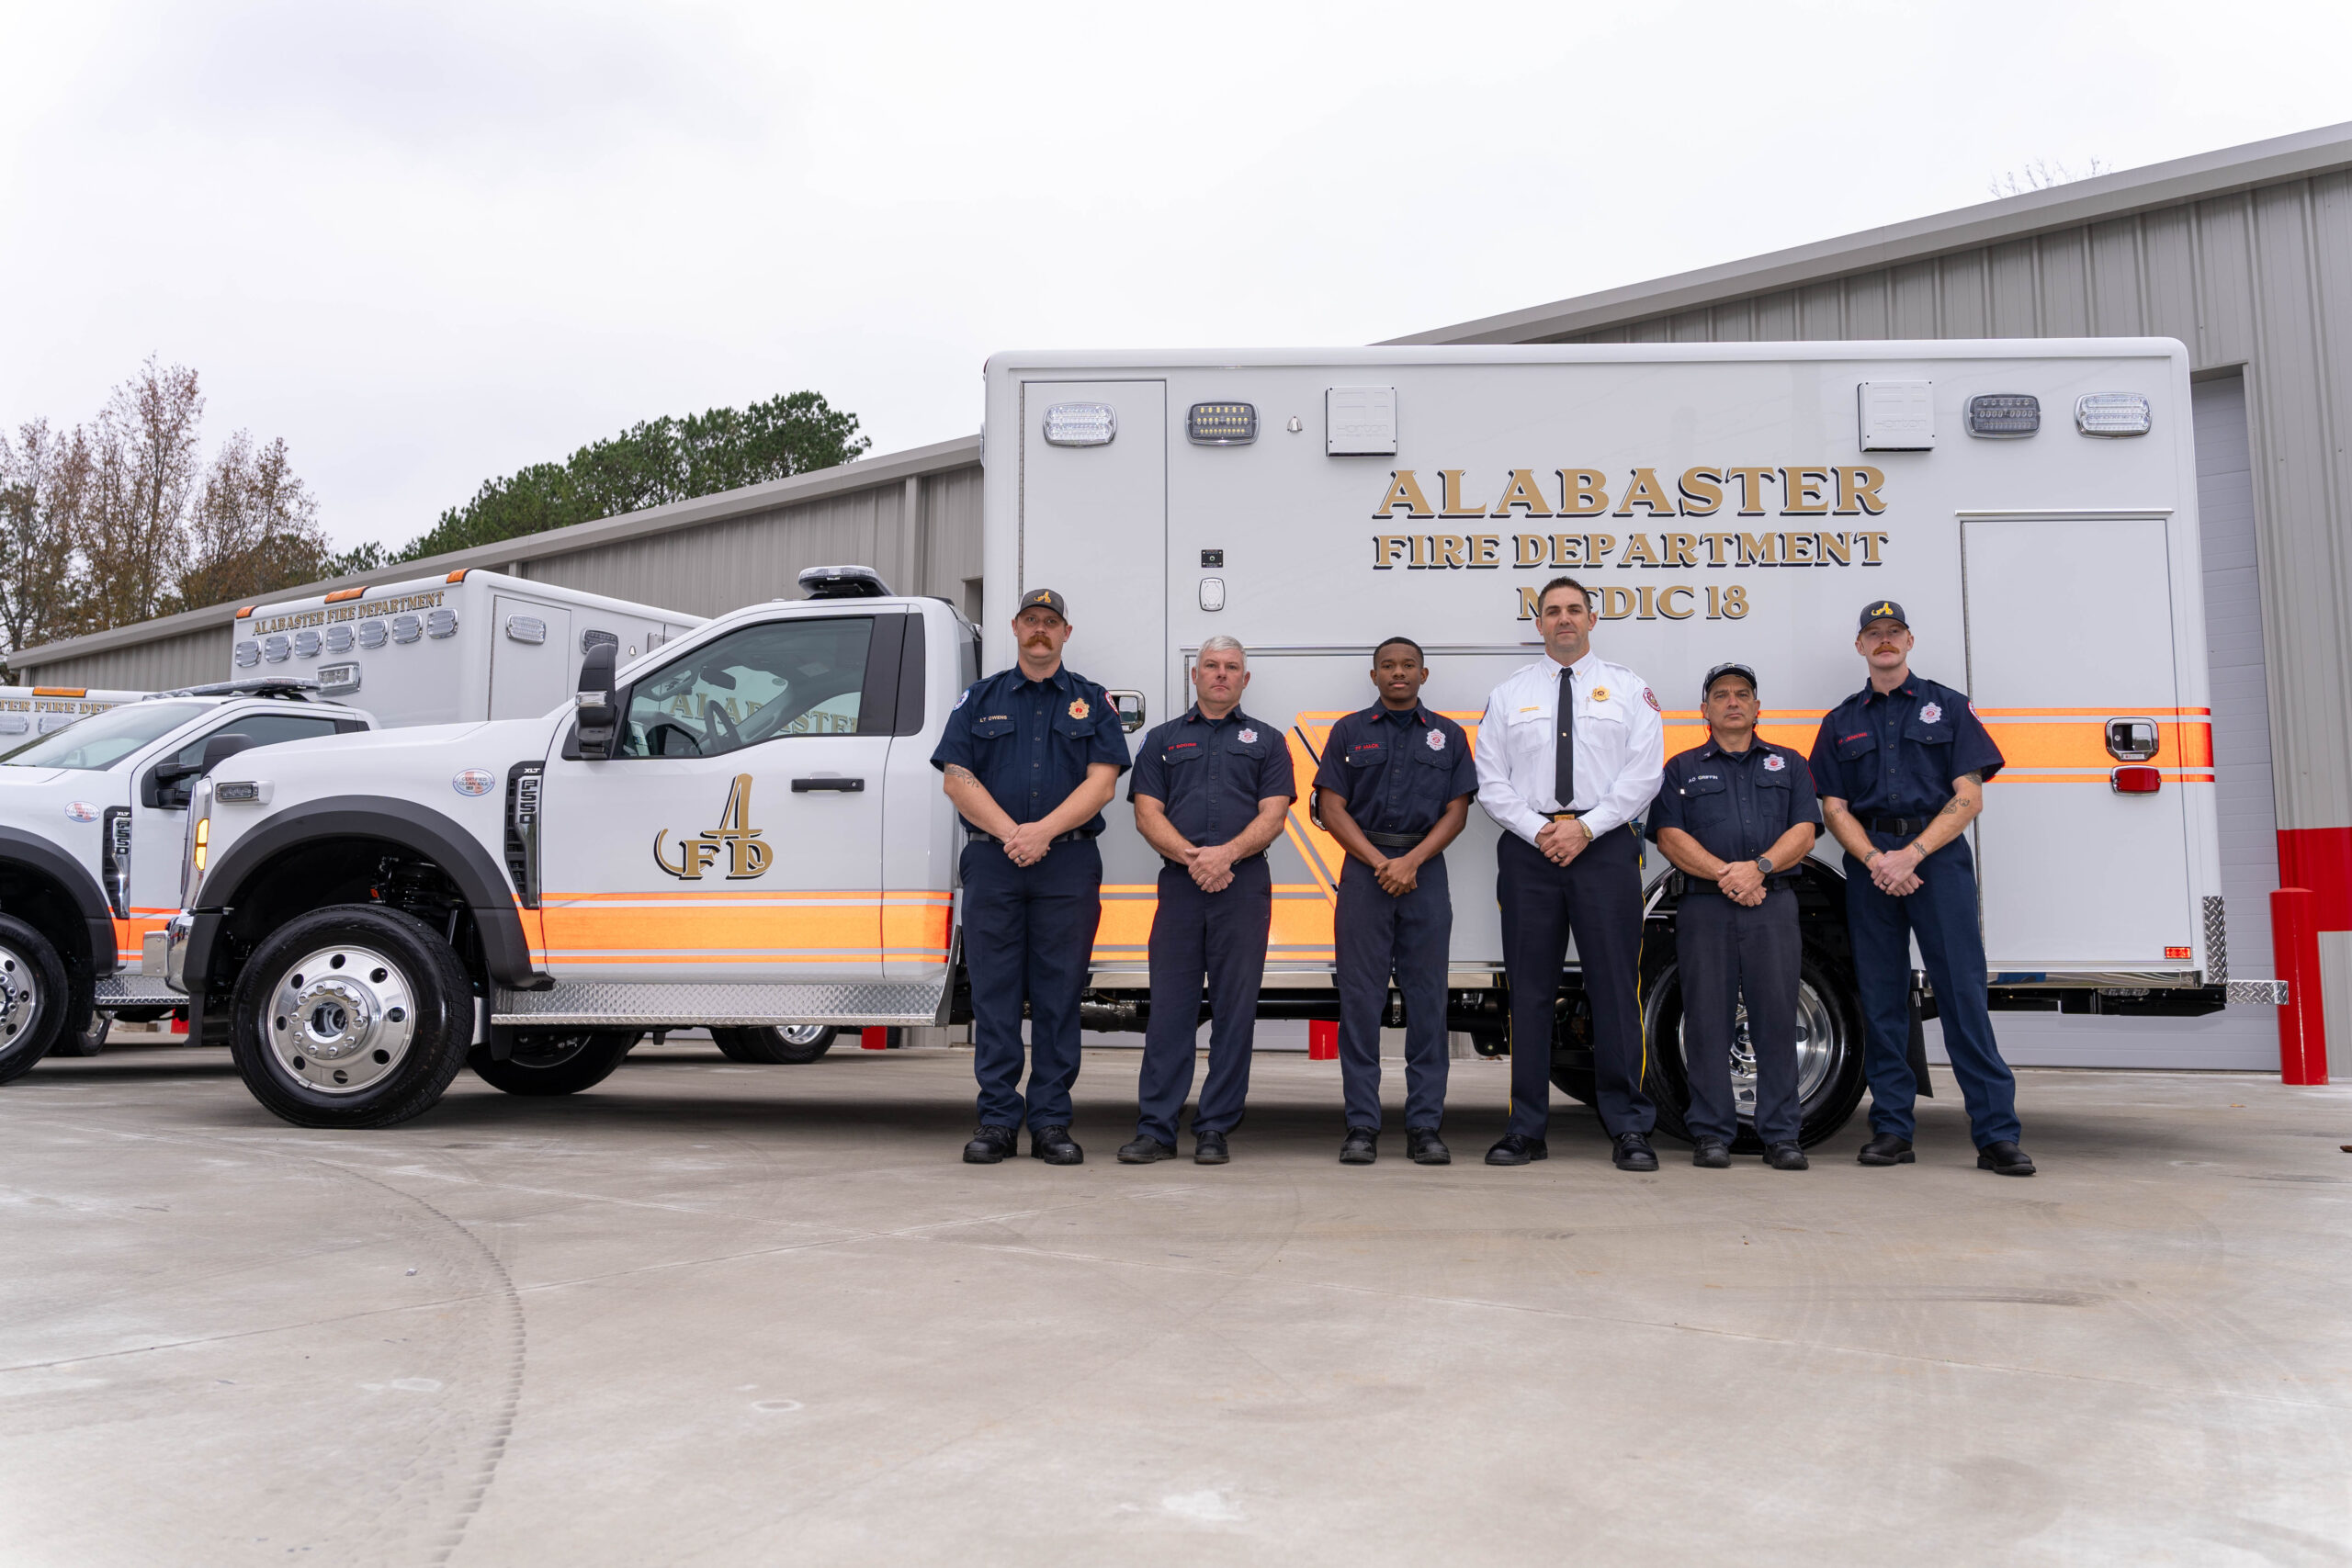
x: 2245, y: 255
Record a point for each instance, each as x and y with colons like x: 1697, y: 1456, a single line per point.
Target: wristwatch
x: 1764, y: 864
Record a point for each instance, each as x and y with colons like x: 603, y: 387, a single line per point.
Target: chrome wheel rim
x: 803, y: 1034
x: 1816, y: 1044
x: 19, y: 996
x: 342, y: 1020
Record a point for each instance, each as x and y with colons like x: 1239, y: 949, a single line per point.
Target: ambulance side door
x: 736, y: 836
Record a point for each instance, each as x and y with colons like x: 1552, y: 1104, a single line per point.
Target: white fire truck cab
x: 92, y: 822
x: 742, y: 828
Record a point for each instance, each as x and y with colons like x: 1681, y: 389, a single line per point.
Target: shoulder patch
x: 965, y: 697
x: 1651, y: 697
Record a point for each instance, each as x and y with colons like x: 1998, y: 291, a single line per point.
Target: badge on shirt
x: 1931, y: 714
x: 1601, y: 693
x: 1774, y: 761
x: 960, y: 701
x: 1651, y: 697
x: 1248, y: 737
x: 1078, y: 708
x: 1437, y: 740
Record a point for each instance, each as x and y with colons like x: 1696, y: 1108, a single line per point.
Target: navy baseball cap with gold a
x: 1045, y: 596
x: 1883, y: 610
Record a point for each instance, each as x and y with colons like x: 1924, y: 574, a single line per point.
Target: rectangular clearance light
x: 1222, y: 424
x: 1999, y: 414
x: 2111, y: 413
x: 1080, y: 424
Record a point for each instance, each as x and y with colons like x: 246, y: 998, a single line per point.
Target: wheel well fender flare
x: 480, y: 879
x: 54, y: 866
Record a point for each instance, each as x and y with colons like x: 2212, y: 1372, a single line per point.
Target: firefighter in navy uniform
x: 1395, y: 788
x: 1210, y: 789
x: 1734, y: 815
x: 1900, y: 767
x: 1031, y: 756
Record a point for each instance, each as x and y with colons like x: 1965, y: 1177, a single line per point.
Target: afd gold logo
x: 734, y: 838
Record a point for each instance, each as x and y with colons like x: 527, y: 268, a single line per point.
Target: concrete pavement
x: 710, y: 1314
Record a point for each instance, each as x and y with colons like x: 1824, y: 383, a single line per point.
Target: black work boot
x: 1054, y: 1146
x: 989, y: 1145
x: 1361, y: 1147
x: 1423, y: 1146
x: 1145, y: 1149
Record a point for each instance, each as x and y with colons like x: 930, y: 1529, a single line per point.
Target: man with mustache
x: 1211, y: 789
x: 1734, y: 816
x: 1900, y: 767
x: 1031, y: 756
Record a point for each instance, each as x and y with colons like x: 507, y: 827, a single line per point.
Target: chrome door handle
x: 846, y: 787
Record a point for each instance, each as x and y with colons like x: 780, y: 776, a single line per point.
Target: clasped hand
x: 1896, y: 871
x: 1212, y: 867
x: 1742, y: 882
x: 1563, y: 840
x: 1028, y: 843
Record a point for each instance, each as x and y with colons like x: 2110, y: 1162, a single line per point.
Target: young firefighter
x: 1901, y: 767
x: 1031, y: 755
x: 1570, y: 752
x: 1734, y: 816
x: 1395, y: 789
x: 1210, y: 789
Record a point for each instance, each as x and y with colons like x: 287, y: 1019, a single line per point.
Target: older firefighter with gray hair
x: 1210, y: 790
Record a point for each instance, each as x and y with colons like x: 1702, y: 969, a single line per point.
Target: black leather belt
x: 1564, y: 816
x: 992, y: 838
x: 1898, y: 824
x: 1394, y: 840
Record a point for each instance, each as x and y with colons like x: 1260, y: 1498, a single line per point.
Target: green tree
x: 653, y: 463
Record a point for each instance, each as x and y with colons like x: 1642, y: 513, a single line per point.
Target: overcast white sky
x: 431, y: 242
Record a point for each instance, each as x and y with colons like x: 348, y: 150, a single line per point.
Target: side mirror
x: 599, y: 713
x: 165, y: 786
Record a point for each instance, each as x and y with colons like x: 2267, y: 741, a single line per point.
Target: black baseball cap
x: 1045, y: 596
x: 1719, y: 671
x: 1883, y: 610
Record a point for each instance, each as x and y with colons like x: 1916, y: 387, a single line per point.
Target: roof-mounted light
x: 1080, y: 424
x: 843, y: 583
x: 2004, y: 415
x: 2112, y: 413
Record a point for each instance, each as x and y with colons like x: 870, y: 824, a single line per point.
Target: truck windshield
x: 102, y: 739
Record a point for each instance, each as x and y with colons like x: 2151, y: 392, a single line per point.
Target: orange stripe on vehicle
x: 61, y: 691
x: 849, y: 929
x: 343, y: 594
x: 2178, y: 744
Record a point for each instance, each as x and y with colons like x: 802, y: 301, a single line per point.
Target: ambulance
x: 742, y: 828
x: 45, y: 710
x: 92, y: 822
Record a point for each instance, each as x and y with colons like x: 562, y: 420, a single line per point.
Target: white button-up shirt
x: 1621, y: 747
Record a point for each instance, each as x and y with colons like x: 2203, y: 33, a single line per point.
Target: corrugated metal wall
x: 2261, y: 279
x: 187, y: 659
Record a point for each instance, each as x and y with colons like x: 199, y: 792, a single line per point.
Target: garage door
x: 2235, y: 1037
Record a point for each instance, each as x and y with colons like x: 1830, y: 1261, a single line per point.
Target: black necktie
x: 1564, y: 766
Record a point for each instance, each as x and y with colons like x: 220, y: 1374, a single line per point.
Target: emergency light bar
x: 843, y: 583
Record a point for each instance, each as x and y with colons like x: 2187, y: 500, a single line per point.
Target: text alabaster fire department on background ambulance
x: 742, y: 828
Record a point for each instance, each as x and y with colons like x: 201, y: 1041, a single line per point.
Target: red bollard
x: 2303, y: 1023
x: 874, y: 1039
x: 1322, y: 1040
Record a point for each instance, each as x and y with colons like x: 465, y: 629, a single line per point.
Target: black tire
x: 37, y: 996
x: 351, y: 1016
x: 86, y: 1041
x: 555, y: 1061
x: 1829, y: 1053
x: 793, y: 1045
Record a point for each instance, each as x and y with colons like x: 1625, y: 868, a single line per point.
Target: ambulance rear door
x: 2070, y: 666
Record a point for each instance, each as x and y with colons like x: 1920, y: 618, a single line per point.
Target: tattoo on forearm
x: 1971, y: 778
x: 958, y: 771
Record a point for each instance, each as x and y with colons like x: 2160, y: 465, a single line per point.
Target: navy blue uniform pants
x: 1942, y: 914
x: 1028, y: 934
x: 1598, y: 898
x: 1377, y: 936
x: 1218, y: 939
x: 1728, y: 953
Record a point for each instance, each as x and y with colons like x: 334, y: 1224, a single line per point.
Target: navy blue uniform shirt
x: 1737, y: 804
x: 1398, y: 772
x: 1896, y: 755
x: 1210, y: 773
x: 1029, y: 743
